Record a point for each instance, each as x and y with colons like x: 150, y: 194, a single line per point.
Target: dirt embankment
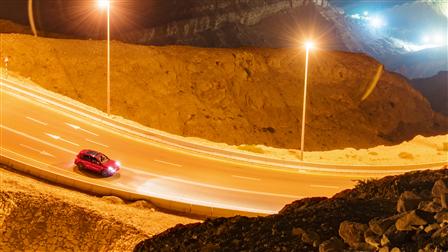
x: 41, y: 217
x: 235, y: 96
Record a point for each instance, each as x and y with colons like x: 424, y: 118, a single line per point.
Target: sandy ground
x: 31, y: 210
x: 419, y: 150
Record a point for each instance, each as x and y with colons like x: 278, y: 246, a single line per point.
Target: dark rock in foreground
x: 365, y: 218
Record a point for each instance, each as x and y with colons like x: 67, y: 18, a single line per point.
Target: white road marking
x: 37, y: 139
x: 104, y: 145
x: 224, y: 188
x: 168, y: 163
x: 325, y: 186
x: 36, y: 150
x: 61, y: 139
x: 249, y: 178
x: 76, y: 127
x: 36, y: 121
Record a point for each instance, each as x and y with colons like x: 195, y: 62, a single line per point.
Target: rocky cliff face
x: 265, y: 23
x: 278, y: 23
x: 435, y: 89
x: 235, y: 96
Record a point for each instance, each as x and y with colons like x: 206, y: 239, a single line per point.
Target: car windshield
x: 102, y: 158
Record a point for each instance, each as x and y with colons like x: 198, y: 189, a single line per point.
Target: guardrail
x: 43, y: 171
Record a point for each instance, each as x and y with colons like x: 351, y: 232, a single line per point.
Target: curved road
x: 37, y: 129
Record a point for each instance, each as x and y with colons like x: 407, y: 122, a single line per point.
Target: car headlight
x: 110, y: 169
x: 118, y: 163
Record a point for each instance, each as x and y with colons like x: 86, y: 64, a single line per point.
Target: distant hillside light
x: 438, y: 39
x: 377, y: 22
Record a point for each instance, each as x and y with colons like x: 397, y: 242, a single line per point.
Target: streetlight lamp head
x: 309, y: 45
x: 103, y: 4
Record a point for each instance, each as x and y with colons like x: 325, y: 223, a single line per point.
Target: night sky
x: 83, y: 17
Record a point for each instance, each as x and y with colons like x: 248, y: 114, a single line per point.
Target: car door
x: 96, y: 165
x: 85, y: 161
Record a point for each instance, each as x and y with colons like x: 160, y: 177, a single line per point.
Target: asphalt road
x: 38, y: 130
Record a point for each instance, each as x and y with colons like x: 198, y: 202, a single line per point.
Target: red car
x: 97, y: 162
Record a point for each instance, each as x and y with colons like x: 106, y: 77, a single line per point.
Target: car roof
x: 91, y: 153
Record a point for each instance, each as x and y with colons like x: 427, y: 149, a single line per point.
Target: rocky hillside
x: 436, y: 90
x: 421, y: 64
x: 236, y: 96
x: 401, y: 213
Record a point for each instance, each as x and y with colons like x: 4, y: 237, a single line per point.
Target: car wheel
x: 104, y: 173
x: 81, y: 166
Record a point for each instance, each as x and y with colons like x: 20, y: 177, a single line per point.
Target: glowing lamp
x: 309, y: 45
x: 103, y: 4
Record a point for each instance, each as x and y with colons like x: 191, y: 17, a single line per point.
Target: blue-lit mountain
x: 407, y: 36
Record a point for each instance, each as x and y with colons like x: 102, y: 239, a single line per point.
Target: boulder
x: 113, y: 200
x: 379, y: 226
x: 431, y: 228
x: 430, y: 206
x: 311, y: 237
x: 442, y: 217
x: 307, y: 236
x: 333, y: 244
x: 393, y: 237
x: 143, y: 204
x: 352, y: 232
x: 411, y: 220
x: 372, y: 239
x: 439, y: 187
x: 444, y: 200
x: 408, y: 201
x: 363, y: 246
x: 297, y: 231
x: 384, y: 249
x: 442, y: 233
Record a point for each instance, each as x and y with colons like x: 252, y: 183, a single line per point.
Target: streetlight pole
x: 309, y: 45
x: 106, y: 4
x: 108, y: 58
